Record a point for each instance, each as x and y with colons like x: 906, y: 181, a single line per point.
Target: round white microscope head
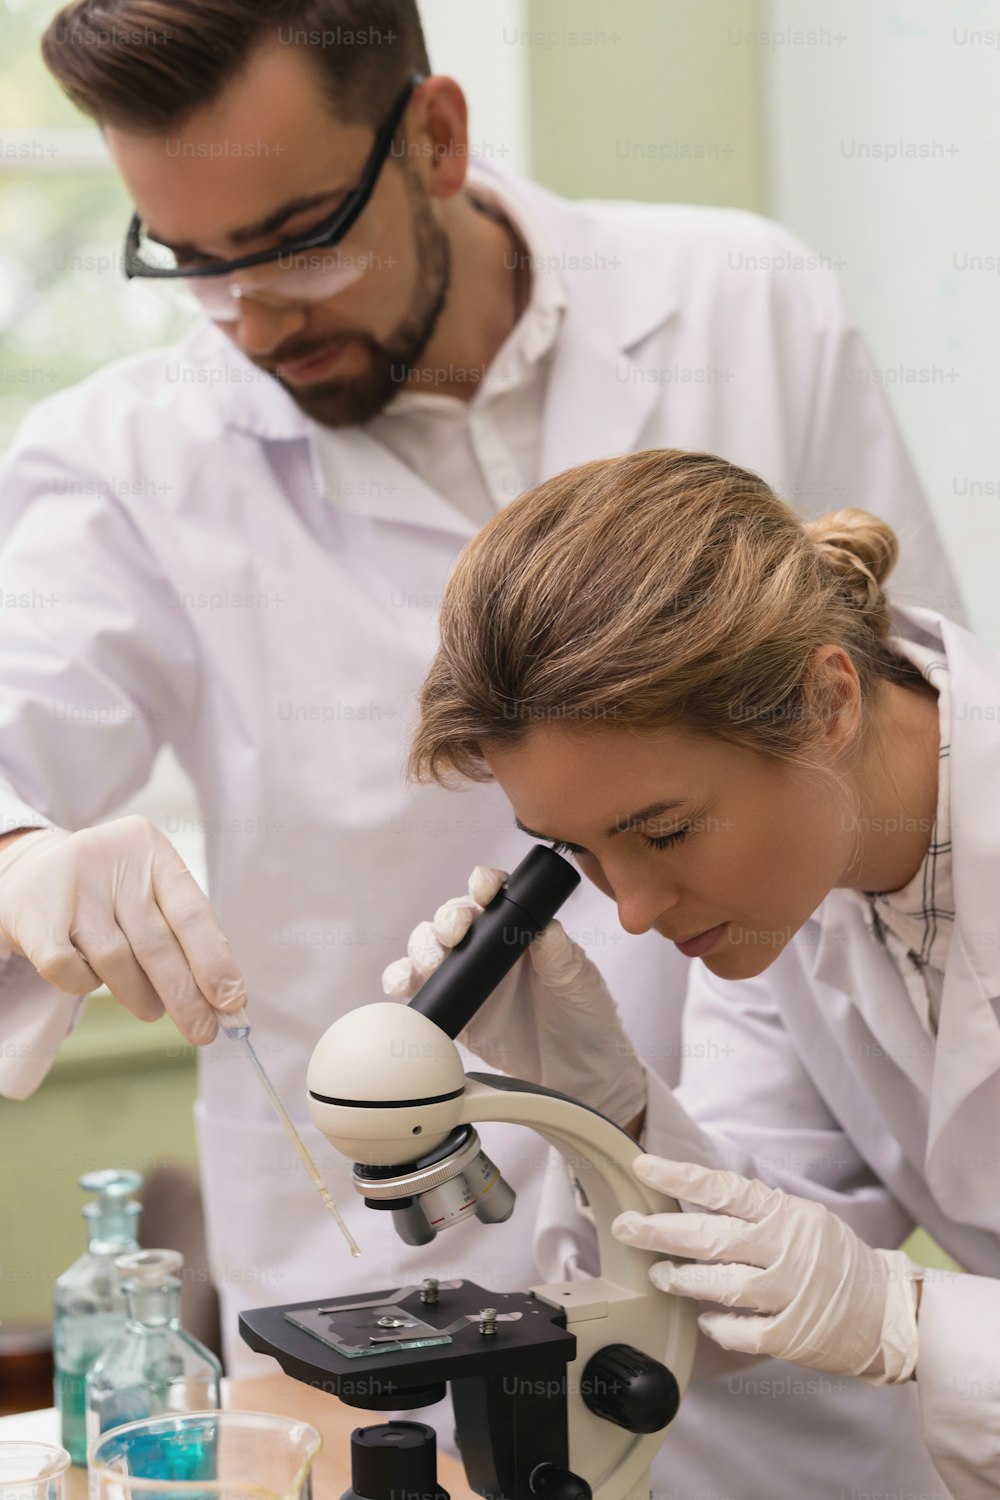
x: 385, y: 1084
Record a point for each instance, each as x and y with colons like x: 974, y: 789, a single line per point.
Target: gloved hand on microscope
x: 818, y: 1294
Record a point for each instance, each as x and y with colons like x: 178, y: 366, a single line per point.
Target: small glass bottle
x: 88, y: 1304
x: 153, y: 1367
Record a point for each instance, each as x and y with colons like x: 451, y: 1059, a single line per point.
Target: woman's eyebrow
x: 619, y: 826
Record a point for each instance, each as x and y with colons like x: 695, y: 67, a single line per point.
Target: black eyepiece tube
x: 493, y: 944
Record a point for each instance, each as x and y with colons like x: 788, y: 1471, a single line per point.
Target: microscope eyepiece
x: 526, y: 904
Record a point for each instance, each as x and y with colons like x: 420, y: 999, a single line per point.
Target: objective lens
x: 457, y: 1181
x: 412, y: 1226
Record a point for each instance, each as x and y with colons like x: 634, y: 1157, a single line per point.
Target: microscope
x: 561, y: 1392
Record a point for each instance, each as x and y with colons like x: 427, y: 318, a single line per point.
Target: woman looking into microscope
x: 719, y: 718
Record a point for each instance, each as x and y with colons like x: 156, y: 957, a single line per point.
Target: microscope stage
x: 374, y: 1349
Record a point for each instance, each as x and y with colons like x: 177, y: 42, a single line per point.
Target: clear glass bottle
x: 88, y: 1304
x: 153, y: 1367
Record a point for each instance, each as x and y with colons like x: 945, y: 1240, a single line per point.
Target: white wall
x: 851, y: 85
x: 472, y: 40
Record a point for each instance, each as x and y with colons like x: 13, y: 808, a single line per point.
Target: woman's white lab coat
x: 819, y: 1077
x: 180, y: 565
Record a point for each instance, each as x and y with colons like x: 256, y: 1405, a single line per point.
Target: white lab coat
x: 194, y: 585
x: 825, y: 1082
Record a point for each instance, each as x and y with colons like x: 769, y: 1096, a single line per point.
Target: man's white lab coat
x: 180, y: 569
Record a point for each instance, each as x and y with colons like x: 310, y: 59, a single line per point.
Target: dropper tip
x: 234, y: 1023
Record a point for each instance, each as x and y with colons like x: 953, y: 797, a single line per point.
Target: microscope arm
x: 621, y: 1306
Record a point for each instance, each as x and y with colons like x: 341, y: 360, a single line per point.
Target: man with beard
x: 244, y: 538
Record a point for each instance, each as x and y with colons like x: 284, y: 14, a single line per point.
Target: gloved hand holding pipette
x: 117, y: 905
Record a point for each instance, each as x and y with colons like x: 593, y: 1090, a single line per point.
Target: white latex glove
x: 807, y: 1288
x: 551, y: 1020
x: 117, y: 905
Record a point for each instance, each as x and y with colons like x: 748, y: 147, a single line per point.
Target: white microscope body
x: 387, y: 1087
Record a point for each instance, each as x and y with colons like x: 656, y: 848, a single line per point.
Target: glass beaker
x: 32, y: 1471
x: 206, y: 1455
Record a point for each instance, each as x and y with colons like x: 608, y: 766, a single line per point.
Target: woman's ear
x: 832, y: 694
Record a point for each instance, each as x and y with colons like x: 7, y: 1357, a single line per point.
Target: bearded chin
x: 344, y: 403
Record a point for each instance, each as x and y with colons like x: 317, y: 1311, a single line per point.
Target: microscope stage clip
x: 357, y: 1329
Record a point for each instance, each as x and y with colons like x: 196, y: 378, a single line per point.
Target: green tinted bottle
x: 88, y: 1304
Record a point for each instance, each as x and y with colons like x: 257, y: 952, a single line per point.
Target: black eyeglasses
x: 327, y: 232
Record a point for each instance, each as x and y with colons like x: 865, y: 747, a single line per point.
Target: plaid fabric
x: 915, y: 923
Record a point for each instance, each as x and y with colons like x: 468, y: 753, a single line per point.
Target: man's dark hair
x: 144, y: 64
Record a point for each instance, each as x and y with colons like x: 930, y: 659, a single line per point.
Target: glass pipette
x: 236, y: 1026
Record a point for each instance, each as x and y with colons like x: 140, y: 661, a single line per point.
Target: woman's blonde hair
x: 661, y: 588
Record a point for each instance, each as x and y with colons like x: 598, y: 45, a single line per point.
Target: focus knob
x: 550, y: 1482
x: 630, y: 1388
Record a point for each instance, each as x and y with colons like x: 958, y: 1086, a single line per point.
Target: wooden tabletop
x: 334, y: 1422
x: 282, y: 1396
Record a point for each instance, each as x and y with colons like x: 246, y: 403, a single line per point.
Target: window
x: 65, y: 307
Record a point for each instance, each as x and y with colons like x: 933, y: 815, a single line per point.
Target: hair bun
x: 862, y: 550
